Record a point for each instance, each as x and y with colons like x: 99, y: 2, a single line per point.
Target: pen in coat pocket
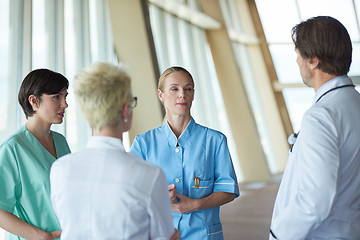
x: 196, y: 182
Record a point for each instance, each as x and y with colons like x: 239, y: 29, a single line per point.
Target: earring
x: 125, y: 120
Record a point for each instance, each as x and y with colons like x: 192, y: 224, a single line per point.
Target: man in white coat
x: 319, y: 196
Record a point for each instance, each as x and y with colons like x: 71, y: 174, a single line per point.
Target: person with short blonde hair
x: 103, y: 192
x: 103, y: 89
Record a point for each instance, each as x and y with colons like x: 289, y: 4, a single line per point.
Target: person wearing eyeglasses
x: 195, y: 159
x: 319, y: 194
x: 103, y: 192
x: 27, y: 155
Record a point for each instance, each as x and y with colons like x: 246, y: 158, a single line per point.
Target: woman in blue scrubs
x: 195, y: 159
x: 26, y: 157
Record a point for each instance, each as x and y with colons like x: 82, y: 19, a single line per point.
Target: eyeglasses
x: 133, y: 102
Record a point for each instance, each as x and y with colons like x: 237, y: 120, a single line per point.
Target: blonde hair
x: 101, y: 90
x: 172, y: 70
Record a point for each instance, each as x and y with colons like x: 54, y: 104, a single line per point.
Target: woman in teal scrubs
x: 27, y: 155
x: 195, y: 159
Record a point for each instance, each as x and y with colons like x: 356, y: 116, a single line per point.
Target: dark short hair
x: 38, y: 82
x: 327, y: 39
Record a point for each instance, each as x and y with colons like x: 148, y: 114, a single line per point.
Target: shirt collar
x: 333, y: 83
x: 105, y: 142
x: 183, y: 137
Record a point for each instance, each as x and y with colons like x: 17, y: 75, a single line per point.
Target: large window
x: 50, y: 34
x: 179, y: 42
x: 278, y: 17
x: 87, y: 39
x: 64, y: 36
x: 4, y: 73
x: 241, y: 52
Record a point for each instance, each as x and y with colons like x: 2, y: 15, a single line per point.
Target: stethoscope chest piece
x: 292, y: 138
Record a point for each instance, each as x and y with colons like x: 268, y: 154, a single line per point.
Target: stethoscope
x: 292, y: 138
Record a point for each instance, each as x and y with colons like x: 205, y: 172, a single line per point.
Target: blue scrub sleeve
x: 136, y: 149
x: 225, y: 177
x: 10, y: 187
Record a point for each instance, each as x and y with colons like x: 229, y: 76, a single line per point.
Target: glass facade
x: 277, y: 25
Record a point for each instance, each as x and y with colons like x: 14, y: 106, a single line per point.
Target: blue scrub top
x: 202, y: 153
x: 25, y: 178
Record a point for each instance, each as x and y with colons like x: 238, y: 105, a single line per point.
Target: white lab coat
x: 319, y: 196
x: 103, y: 192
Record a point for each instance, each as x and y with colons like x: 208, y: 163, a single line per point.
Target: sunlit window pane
x: 157, y: 24
x: 341, y: 10
x: 277, y: 17
x: 39, y: 35
x: 355, y: 65
x: 298, y: 101
x: 94, y: 34
x: 70, y: 53
x: 87, y: 39
x: 4, y: 73
x: 284, y: 58
x: 74, y: 122
x: 4, y: 46
x: 357, y: 9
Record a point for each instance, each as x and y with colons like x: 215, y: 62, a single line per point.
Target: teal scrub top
x: 25, y: 178
x: 202, y: 153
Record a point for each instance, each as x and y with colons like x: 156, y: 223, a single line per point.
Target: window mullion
x: 20, y: 57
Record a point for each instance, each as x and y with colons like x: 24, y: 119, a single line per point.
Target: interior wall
x: 130, y: 30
